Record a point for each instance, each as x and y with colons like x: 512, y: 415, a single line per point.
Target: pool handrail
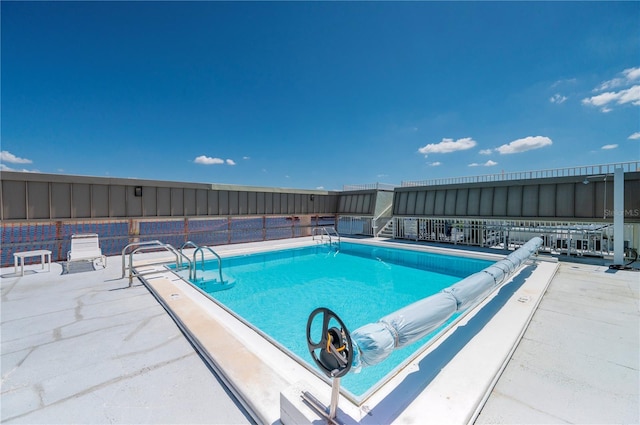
x: 155, y: 244
x: 326, y: 231
x: 195, y: 266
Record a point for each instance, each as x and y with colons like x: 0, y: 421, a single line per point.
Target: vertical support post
x: 618, y: 216
x: 335, y: 394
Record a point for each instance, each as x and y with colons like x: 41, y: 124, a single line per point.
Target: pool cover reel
x: 374, y: 342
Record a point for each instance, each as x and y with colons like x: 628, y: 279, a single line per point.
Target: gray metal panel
x: 149, y: 201
x: 473, y: 201
x: 486, y: 202
x: 438, y: 209
x: 298, y: 198
x: 15, y: 204
x: 117, y: 200
x: 411, y: 202
x: 461, y: 202
x: 276, y: 203
x: 450, y: 202
x: 243, y: 203
x: 420, y: 198
x: 61, y: 200
x: 514, y: 201
x: 252, y: 203
x: 134, y: 203
x: 201, y: 202
x: 177, y: 201
x: 342, y: 204
x: 291, y: 205
x: 530, y: 200
x: 565, y: 200
x: 38, y: 200
x: 81, y: 200
x: 632, y: 199
x: 369, y: 203
x: 212, y: 201
x: 547, y: 200
x: 164, y: 201
x: 604, y: 198
x: 402, y: 203
x: 100, y: 201
x: 260, y: 203
x: 348, y: 200
x: 313, y: 204
x: 268, y: 203
x: 585, y: 200
x: 223, y: 202
x: 331, y: 203
x: 500, y: 201
x: 189, y: 201
x: 430, y: 202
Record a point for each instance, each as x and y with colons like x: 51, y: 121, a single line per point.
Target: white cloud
x: 207, y: 160
x: 557, y: 98
x: 230, y: 162
x: 320, y: 187
x: 632, y: 74
x: 628, y: 76
x: 3, y: 167
x: 610, y: 96
x: 526, y: 144
x: 635, y: 136
x: 607, y: 147
x: 485, y: 152
x: 564, y: 82
x: 246, y: 157
x: 630, y: 95
x: 434, y: 164
x: 489, y: 163
x: 448, y: 146
x: 6, y: 156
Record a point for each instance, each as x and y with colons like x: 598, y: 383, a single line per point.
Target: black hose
x: 627, y: 266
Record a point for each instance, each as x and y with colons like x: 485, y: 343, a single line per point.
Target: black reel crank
x: 333, y: 353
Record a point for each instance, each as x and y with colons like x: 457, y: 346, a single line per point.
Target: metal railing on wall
x: 55, y: 236
x: 355, y: 225
x: 586, y: 170
x: 572, y: 238
x: 368, y: 186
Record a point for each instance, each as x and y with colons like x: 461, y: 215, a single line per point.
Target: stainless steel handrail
x: 326, y: 231
x: 200, y: 250
x: 155, y: 244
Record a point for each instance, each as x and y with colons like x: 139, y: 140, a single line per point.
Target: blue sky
x: 317, y: 94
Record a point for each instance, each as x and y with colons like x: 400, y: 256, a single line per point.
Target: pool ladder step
x: 328, y: 234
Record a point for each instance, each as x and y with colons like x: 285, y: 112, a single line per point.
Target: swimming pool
x: 275, y: 292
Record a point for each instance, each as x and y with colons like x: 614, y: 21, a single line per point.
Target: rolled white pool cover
x: 374, y: 342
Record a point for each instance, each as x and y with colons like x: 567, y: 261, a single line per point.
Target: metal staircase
x: 387, y: 230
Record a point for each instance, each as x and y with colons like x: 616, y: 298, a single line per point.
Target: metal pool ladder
x: 150, y: 246
x: 200, y: 249
x: 330, y: 232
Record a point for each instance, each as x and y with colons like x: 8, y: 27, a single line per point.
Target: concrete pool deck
x: 84, y: 348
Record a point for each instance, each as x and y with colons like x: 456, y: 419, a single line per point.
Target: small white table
x: 22, y: 255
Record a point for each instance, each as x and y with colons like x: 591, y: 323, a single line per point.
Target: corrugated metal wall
x: 29, y: 196
x: 560, y: 198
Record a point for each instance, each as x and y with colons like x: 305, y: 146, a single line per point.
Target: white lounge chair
x: 86, y: 247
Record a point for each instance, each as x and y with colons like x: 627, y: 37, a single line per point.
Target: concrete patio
x: 83, y: 347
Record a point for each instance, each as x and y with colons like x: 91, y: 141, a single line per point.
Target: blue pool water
x: 277, y: 291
